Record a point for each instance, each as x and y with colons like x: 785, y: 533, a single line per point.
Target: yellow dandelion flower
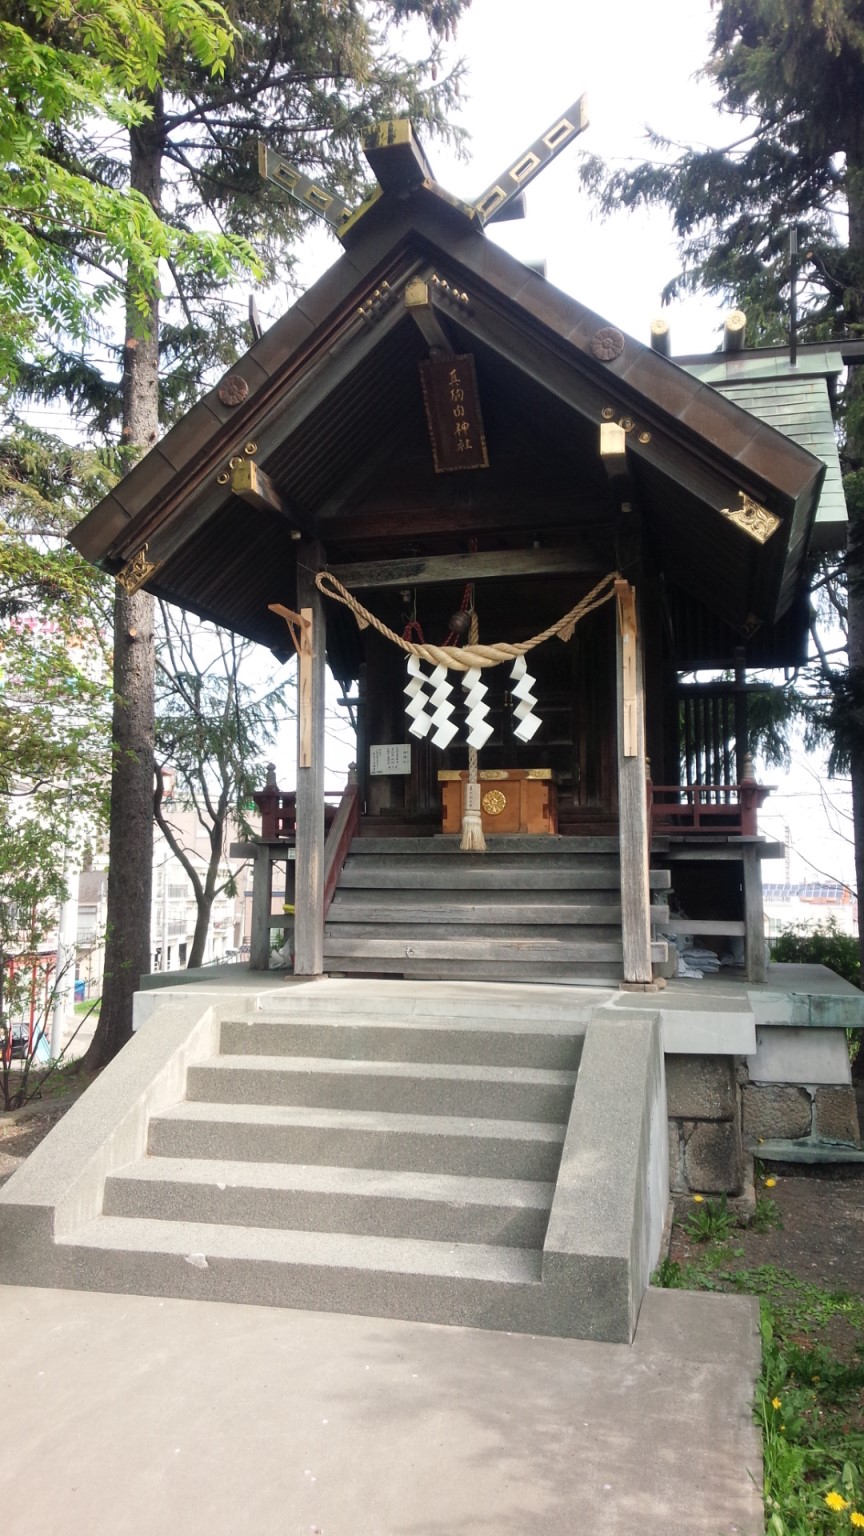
x: 775, y: 1402
x: 698, y: 1199
x: 856, y: 1518
x: 782, y: 1429
x: 770, y: 1183
x: 836, y: 1501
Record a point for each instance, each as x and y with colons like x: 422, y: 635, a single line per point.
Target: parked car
x: 17, y: 1043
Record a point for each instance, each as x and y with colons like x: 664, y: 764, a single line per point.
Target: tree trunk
x: 130, y: 872
x: 207, y: 895
x: 854, y: 457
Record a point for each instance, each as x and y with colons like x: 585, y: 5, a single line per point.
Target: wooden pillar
x: 309, y: 873
x: 632, y: 801
x: 742, y: 740
x: 259, y: 938
x: 754, y: 915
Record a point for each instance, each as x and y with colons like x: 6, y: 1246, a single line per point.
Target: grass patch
x: 709, y: 1221
x: 60, y: 1083
x: 809, y: 1399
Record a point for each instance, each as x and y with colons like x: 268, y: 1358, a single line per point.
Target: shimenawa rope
x: 462, y: 657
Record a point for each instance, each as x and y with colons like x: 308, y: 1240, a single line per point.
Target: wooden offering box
x: 513, y: 800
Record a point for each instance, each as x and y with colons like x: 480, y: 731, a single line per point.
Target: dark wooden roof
x: 333, y: 413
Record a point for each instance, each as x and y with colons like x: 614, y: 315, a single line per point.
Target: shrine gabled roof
x: 332, y: 389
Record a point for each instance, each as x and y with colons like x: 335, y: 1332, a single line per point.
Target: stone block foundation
x: 705, y: 1149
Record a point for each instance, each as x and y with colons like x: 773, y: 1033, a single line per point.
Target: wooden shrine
x: 452, y: 440
x: 512, y: 800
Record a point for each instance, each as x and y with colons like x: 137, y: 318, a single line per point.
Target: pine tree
x: 308, y: 79
x: 790, y: 76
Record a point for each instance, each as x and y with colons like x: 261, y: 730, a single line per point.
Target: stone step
x: 255, y: 1133
x: 475, y: 1285
x: 388, y: 1203
x: 555, y: 1044
x: 396, y: 1087
x: 443, y: 1001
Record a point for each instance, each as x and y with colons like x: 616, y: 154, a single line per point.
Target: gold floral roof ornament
x: 136, y: 571
x: 752, y: 518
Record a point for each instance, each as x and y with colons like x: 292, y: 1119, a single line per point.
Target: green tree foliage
x: 822, y: 944
x: 181, y: 142
x: 85, y: 226
x: 790, y: 76
x: 68, y: 233
x: 54, y: 665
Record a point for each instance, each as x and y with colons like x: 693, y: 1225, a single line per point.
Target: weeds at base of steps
x: 809, y: 1400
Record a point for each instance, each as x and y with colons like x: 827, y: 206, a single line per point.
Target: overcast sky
x: 637, y: 61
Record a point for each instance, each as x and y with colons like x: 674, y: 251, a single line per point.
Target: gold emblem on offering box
x: 493, y: 802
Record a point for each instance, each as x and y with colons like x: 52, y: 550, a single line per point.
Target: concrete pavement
x: 134, y: 1416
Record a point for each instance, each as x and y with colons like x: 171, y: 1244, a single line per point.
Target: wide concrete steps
x: 530, y: 909
x: 518, y: 1093
x: 432, y: 1207
x: 490, y: 1040
x: 471, y: 1284
x: 377, y: 1160
x: 359, y: 1139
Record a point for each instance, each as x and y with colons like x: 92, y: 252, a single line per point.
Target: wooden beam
x: 661, y: 340
x: 252, y: 485
x: 385, y: 522
x: 426, y: 569
x: 613, y: 456
x: 309, y: 876
x: 262, y: 887
x: 396, y: 156
x: 517, y: 176
x: 632, y: 798
x: 302, y: 188
x: 734, y: 331
x: 419, y: 306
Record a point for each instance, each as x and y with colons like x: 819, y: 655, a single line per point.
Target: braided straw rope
x: 462, y: 657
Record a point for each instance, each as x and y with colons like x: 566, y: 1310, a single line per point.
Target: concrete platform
x: 133, y: 1416
x: 719, y: 1014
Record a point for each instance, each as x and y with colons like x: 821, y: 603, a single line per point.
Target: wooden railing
x: 705, y: 808
x: 339, y: 835
x: 279, y: 812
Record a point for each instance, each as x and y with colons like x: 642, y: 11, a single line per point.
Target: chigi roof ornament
x: 399, y: 163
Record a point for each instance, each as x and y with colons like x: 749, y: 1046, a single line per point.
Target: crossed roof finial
x: 399, y: 162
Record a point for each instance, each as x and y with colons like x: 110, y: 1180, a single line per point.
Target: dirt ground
x: 821, y: 1240
x: 23, y: 1129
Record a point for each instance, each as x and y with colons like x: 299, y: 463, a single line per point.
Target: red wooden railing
x: 342, y: 829
x: 704, y: 808
x: 279, y: 812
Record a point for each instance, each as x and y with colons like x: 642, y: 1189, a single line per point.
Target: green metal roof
x: 797, y: 402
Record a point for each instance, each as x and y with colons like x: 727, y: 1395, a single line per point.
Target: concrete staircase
x: 529, y: 909
x: 469, y: 1154
x: 403, y: 1169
